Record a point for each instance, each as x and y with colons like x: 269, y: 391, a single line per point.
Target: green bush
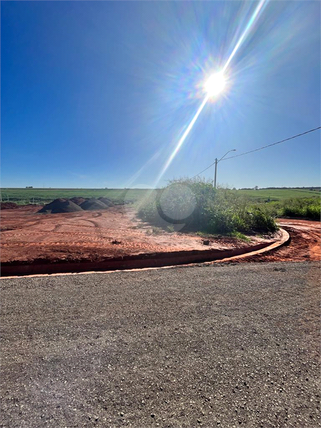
x: 303, y: 207
x: 197, y: 206
x: 313, y: 212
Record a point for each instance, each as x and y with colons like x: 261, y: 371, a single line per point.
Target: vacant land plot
x: 115, y: 238
x: 94, y: 236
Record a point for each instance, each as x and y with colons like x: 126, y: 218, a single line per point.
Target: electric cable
x: 260, y: 148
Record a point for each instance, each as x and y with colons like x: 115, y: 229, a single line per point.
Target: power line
x: 260, y: 148
x: 274, y: 144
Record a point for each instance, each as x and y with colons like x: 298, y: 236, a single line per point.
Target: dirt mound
x: 8, y: 205
x: 106, y: 201
x: 60, y: 206
x: 78, y: 200
x: 93, y: 204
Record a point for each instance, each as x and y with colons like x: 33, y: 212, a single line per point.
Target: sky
x: 102, y: 94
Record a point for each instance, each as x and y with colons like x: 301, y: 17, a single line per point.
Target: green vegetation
x: 240, y: 236
x: 304, y: 207
x: 274, y: 202
x: 297, y: 203
x: 274, y: 194
x: 43, y: 196
x: 199, y: 207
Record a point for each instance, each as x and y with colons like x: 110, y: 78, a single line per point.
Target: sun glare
x: 215, y: 84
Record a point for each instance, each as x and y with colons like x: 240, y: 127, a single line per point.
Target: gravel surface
x: 213, y: 346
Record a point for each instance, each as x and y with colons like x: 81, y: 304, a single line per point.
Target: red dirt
x: 8, y: 205
x: 305, y: 243
x: 85, y: 237
x: 93, y: 235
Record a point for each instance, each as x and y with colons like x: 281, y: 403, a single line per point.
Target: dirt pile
x: 106, y: 201
x: 77, y: 203
x: 78, y: 200
x: 8, y: 205
x: 93, y: 205
x: 60, y: 206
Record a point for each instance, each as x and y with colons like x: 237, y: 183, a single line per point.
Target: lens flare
x: 215, y: 84
x: 182, y: 139
x: 253, y: 18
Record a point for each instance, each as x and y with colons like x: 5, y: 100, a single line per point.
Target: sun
x: 215, y: 84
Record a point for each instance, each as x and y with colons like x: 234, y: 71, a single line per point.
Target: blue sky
x: 98, y: 94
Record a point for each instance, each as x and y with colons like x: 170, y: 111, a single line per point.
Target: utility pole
x: 216, y: 162
x: 215, y: 173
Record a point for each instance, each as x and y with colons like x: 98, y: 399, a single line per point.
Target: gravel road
x: 213, y: 346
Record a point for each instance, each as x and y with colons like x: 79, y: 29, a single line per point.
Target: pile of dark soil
x: 60, y: 206
x: 93, y: 205
x: 8, y: 205
x: 76, y: 203
x: 106, y: 201
x: 77, y: 200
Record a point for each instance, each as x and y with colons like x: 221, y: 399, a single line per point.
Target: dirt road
x: 305, y: 243
x: 211, y: 346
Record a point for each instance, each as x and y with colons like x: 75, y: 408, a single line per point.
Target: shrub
x: 197, y: 206
x: 303, y: 207
x: 313, y: 212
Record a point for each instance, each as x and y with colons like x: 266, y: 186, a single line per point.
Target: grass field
x: 42, y: 196
x: 267, y: 195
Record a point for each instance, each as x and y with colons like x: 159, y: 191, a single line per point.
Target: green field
x: 285, y: 202
x: 267, y: 195
x: 42, y: 196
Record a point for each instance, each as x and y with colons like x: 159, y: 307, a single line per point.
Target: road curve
x: 305, y: 243
x: 214, y: 346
